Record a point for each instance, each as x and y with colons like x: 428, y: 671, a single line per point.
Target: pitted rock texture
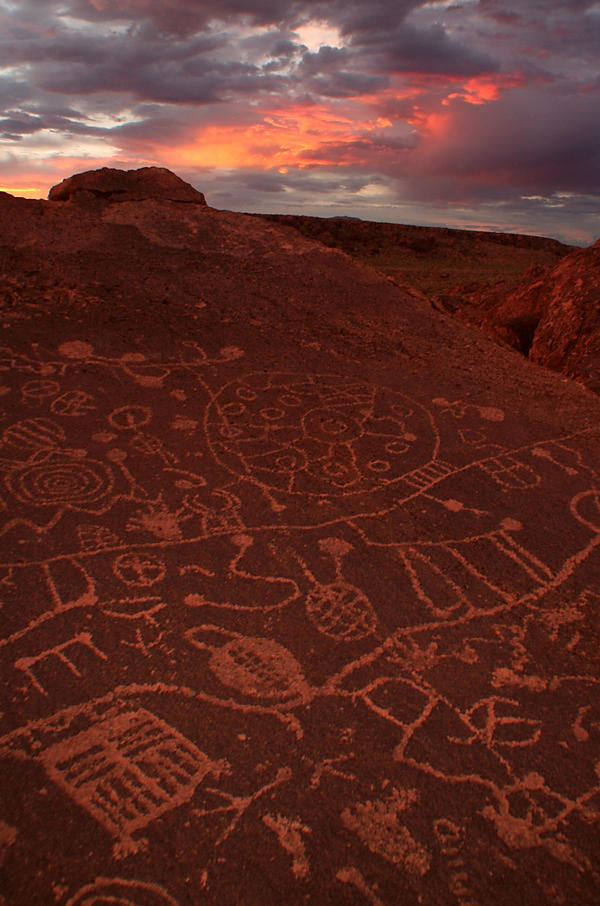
x: 552, y: 316
x: 299, y: 580
x: 126, y: 185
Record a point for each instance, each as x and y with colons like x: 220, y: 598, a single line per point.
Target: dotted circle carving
x: 318, y: 434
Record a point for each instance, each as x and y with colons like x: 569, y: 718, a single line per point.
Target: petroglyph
x: 338, y: 609
x: 56, y: 481
x: 257, y: 667
x: 317, y: 434
x: 64, y: 653
x: 73, y: 403
x: 351, y: 875
x: 379, y: 827
x: 33, y: 434
x: 8, y: 835
x: 289, y: 834
x: 141, y: 571
x: 343, y: 595
x: 126, y: 769
x: 122, y: 892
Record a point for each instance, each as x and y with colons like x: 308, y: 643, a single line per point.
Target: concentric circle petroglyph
x: 61, y: 482
x: 318, y: 434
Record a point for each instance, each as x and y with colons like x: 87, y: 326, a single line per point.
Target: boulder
x: 567, y: 337
x: 300, y: 578
x: 551, y: 316
x: 126, y: 185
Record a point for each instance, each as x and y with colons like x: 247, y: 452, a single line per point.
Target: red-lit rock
x: 127, y: 185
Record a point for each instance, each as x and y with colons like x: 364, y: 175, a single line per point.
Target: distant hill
x: 440, y: 262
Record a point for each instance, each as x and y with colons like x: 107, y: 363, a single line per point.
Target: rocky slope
x: 552, y: 316
x: 445, y: 264
x: 536, y: 295
x: 299, y: 577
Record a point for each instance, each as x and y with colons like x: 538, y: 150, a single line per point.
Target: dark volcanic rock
x: 127, y: 185
x: 552, y: 316
x: 567, y: 338
x: 299, y: 579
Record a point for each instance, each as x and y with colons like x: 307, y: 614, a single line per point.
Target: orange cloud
x: 483, y: 89
x: 282, y: 138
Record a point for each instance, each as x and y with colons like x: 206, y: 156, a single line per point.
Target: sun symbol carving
x: 318, y: 434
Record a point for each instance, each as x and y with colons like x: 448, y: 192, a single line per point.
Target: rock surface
x: 126, y: 185
x: 445, y: 264
x: 535, y: 294
x: 299, y: 579
x: 552, y: 316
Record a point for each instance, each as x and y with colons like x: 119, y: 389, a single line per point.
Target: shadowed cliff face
x: 299, y: 577
x: 552, y: 316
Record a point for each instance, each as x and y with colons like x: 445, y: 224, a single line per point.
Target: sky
x: 479, y: 114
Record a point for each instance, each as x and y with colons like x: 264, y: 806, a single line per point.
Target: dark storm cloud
x: 347, y: 84
x: 387, y: 153
x: 483, y: 101
x: 170, y: 16
x: 549, y: 26
x: 505, y: 145
x: 175, y: 52
x: 431, y: 51
x: 299, y: 181
x: 15, y: 125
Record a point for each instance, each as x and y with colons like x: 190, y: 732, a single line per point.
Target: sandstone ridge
x: 115, y: 185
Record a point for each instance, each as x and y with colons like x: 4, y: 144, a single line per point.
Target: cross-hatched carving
x: 127, y: 769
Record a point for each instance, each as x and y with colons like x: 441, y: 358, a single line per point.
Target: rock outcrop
x: 299, y: 578
x: 552, y: 316
x: 113, y: 185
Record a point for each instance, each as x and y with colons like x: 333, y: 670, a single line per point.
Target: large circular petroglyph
x: 318, y: 434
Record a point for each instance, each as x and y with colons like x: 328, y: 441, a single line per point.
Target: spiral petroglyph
x: 61, y: 482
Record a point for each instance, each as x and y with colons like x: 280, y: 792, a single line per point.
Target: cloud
x: 504, y: 145
x: 404, y: 105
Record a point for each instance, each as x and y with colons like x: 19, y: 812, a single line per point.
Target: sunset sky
x: 470, y: 113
